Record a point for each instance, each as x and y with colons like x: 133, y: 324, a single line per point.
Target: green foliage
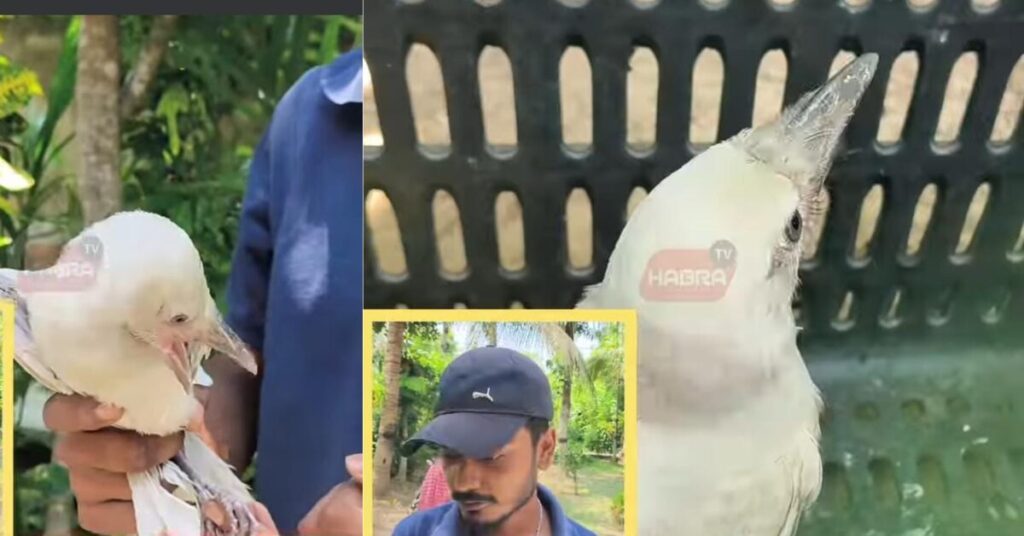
x: 187, y: 154
x: 426, y: 351
x: 596, y: 417
x: 32, y: 490
x: 597, y: 409
x: 573, y: 458
x: 17, y: 87
x: 27, y: 147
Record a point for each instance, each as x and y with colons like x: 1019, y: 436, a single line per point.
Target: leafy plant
x: 188, y: 152
x: 619, y: 509
x: 574, y: 457
x: 33, y: 489
x: 28, y: 148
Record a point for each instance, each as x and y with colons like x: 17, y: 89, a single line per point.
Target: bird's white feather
x: 159, y: 511
x: 74, y: 339
x: 25, y: 352
x: 728, y: 415
x: 218, y: 472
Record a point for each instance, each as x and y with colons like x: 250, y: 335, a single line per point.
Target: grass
x: 599, y: 482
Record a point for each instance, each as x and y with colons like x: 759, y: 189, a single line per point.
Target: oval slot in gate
x: 385, y: 235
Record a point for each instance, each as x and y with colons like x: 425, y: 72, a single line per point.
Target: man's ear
x: 546, y: 448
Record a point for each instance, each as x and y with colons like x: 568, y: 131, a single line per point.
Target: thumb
x: 354, y: 466
x: 266, y: 523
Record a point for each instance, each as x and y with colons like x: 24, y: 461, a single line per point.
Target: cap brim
x: 474, y: 435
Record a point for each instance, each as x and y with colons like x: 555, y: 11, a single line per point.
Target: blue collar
x: 342, y: 79
x: 560, y: 523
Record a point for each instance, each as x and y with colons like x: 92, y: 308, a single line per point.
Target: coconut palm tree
x: 387, y: 430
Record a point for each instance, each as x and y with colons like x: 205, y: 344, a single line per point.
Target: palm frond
x: 566, y: 352
x: 548, y: 339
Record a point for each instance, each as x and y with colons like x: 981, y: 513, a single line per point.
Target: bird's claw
x: 223, y: 516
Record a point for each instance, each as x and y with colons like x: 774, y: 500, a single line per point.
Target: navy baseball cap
x: 486, y: 396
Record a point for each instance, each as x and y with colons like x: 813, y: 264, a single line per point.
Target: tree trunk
x: 491, y: 329
x: 143, y: 74
x: 97, y: 124
x: 403, y: 462
x: 566, y: 413
x: 447, y: 345
x: 389, y: 416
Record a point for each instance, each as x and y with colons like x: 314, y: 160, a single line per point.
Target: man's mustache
x: 472, y: 496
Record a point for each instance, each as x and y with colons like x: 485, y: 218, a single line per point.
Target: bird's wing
x: 24, y: 346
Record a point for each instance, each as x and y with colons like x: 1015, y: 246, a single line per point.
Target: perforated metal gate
x: 924, y: 433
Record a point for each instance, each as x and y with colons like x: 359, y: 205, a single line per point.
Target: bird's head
x: 738, y: 211
x: 156, y: 287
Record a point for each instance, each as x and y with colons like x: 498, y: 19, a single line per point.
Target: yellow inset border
x: 7, y: 444
x: 627, y: 317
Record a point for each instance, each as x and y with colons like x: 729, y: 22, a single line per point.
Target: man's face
x: 489, y: 491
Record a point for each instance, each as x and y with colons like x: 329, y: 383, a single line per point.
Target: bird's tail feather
x: 215, y: 471
x: 159, y: 511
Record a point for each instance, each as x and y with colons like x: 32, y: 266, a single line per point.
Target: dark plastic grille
x: 956, y: 338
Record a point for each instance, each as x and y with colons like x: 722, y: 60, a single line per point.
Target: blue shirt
x: 445, y: 520
x: 295, y: 291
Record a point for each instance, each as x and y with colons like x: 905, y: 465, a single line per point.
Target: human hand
x: 266, y: 523
x: 340, y: 512
x: 98, y: 458
x: 198, y: 424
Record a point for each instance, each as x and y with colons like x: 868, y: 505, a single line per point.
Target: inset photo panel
x: 518, y: 421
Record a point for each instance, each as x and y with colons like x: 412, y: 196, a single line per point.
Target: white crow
x: 728, y: 414
x: 125, y: 317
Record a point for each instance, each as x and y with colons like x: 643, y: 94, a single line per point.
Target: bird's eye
x: 794, y: 227
x: 179, y: 319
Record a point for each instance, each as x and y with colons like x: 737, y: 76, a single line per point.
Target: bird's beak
x: 819, y: 118
x: 220, y: 337
x: 223, y: 339
x: 175, y: 355
x: 802, y: 143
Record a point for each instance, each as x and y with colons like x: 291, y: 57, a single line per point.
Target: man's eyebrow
x: 502, y: 450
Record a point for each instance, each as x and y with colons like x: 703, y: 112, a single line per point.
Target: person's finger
x: 340, y: 513
x: 93, y: 485
x: 344, y: 514
x: 354, y: 466
x: 75, y: 413
x: 310, y: 523
x: 114, y: 517
x: 262, y: 515
x: 117, y: 451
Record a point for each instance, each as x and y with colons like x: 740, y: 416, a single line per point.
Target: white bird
x: 125, y: 317
x: 728, y: 414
